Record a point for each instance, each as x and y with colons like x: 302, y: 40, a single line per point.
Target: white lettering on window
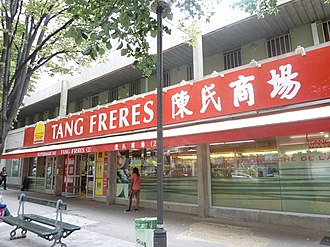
x: 180, y: 101
x: 243, y: 90
x: 208, y: 96
x: 283, y: 84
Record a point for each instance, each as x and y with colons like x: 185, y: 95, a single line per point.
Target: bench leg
x: 58, y: 241
x: 13, y: 233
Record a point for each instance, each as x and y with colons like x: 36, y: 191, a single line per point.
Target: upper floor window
x: 279, y: 45
x: 79, y: 105
x: 326, y: 30
x: 40, y: 117
x: 166, y: 79
x: 232, y: 59
x: 113, y: 94
x: 95, y: 100
x: 135, y: 88
x: 190, y: 72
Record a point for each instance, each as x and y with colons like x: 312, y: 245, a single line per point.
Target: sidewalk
x: 108, y: 226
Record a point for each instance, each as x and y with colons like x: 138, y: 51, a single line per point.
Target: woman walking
x: 135, y: 190
x: 3, y: 177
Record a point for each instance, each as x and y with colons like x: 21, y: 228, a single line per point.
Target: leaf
x: 120, y: 46
x: 84, y: 35
x: 123, y: 52
x: 87, y: 51
x: 108, y: 45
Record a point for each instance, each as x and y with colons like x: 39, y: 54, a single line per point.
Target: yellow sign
x: 99, y: 187
x: 39, y: 132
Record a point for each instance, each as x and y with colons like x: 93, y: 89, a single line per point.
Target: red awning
x: 279, y: 124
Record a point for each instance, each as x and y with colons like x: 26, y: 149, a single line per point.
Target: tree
x: 47, y: 35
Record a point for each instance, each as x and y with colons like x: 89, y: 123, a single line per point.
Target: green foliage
x: 126, y: 26
x: 259, y: 7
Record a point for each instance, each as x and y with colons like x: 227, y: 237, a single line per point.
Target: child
x: 3, y: 208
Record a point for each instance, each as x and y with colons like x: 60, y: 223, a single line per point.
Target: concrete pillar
x: 315, y: 34
x: 198, y: 59
x: 64, y: 98
x: 203, y: 179
x: 146, y: 85
x: 112, y: 177
x: 203, y: 157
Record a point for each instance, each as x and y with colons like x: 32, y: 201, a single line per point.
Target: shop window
x: 135, y: 88
x: 190, y: 72
x: 33, y: 167
x: 245, y: 174
x: 279, y: 45
x: 232, y: 59
x: 287, y: 173
x: 326, y: 30
x: 95, y: 100
x: 14, y: 167
x: 180, y: 181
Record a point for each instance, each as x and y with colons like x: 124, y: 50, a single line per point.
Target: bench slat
x: 40, y: 230
x: 44, y: 202
x: 51, y: 222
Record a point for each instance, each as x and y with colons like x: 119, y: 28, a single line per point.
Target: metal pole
x: 160, y: 233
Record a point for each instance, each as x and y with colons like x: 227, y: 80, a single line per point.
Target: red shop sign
x: 290, y: 80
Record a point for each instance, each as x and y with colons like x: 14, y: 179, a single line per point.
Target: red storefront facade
x: 265, y: 108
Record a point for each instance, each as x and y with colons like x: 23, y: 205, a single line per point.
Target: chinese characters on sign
x: 243, y: 90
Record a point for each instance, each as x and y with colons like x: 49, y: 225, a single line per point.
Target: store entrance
x: 72, y: 176
x: 90, y: 176
x: 50, y: 175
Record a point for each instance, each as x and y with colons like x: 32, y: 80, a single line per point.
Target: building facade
x: 246, y: 138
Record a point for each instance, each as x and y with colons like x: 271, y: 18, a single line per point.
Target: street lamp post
x: 160, y: 238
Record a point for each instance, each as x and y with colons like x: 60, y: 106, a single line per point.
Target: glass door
x: 50, y: 175
x: 72, y: 176
x: 90, y: 176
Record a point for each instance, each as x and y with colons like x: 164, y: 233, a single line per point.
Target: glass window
x: 305, y: 172
x: 245, y: 174
x: 180, y: 178
x: 190, y: 72
x: 33, y: 167
x: 232, y: 59
x: 167, y: 79
x: 78, y: 105
x: 14, y: 167
x: 95, y: 100
x: 279, y: 45
x: 135, y: 88
x: 113, y: 94
x: 288, y: 173
x: 326, y: 30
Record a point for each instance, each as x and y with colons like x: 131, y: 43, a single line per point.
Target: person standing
x: 135, y: 190
x: 3, y: 175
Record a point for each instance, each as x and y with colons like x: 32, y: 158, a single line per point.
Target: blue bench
x: 44, y: 227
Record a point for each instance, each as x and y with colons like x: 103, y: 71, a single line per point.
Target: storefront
x: 255, y: 138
